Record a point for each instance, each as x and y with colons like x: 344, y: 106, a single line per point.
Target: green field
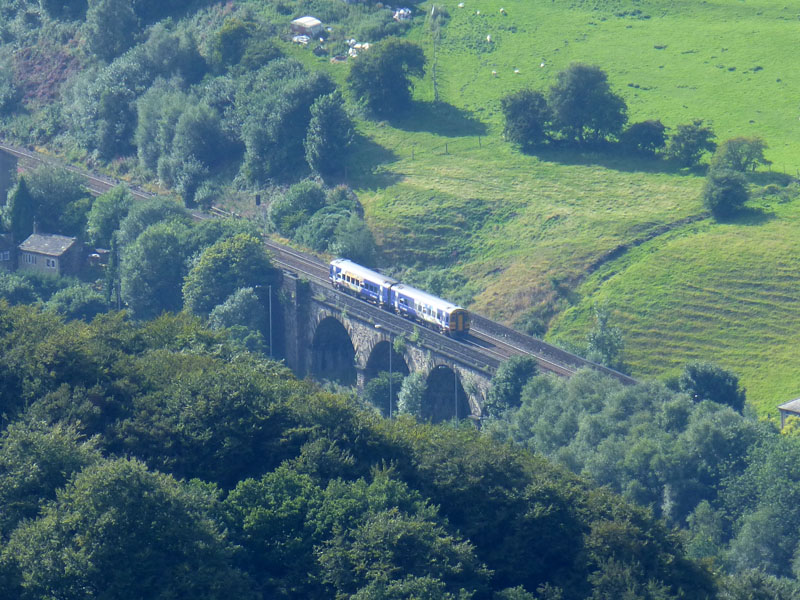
x: 441, y: 188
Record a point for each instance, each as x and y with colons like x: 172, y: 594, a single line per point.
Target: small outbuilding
x: 50, y: 253
x: 789, y: 409
x: 309, y: 26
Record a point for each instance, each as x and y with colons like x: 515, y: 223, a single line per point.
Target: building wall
x: 7, y: 259
x: 31, y: 261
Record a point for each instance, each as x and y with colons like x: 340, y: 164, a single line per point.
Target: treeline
x: 194, y: 94
x: 581, y: 111
x: 688, y: 450
x: 159, y: 460
x: 160, y: 259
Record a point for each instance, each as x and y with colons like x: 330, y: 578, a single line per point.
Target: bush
x: 725, y: 192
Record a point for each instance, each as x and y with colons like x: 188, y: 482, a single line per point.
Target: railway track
x: 491, y: 340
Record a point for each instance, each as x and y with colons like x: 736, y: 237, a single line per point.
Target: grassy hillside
x: 546, y: 231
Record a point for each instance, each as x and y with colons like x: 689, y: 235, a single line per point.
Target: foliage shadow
x: 610, y: 156
x: 364, y: 165
x: 438, y: 118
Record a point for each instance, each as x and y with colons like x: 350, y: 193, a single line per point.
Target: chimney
x: 35, y: 226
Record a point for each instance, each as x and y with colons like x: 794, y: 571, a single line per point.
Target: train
x: 405, y: 300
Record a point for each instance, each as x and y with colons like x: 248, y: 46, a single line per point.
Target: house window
x: 6, y: 255
x: 51, y: 263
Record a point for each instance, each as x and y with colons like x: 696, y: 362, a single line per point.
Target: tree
x: 35, y: 461
x: 382, y: 76
x: 645, y: 137
x: 690, y: 141
x: 16, y: 290
x: 296, y: 206
x: 318, y: 232
x: 376, y: 392
x: 274, y: 108
x: 60, y: 198
x: 79, y: 301
x: 273, y: 521
x: 228, y: 265
x: 107, y: 212
x: 20, y: 212
x: 740, y: 154
x: 353, y: 239
x: 605, y: 343
x: 507, y: 383
x: 152, y: 270
x: 584, y: 105
x: 411, y: 394
x: 329, y: 135
x: 707, y: 381
x: 724, y: 192
x: 142, y: 215
x: 124, y: 532
x: 64, y: 9
x: 111, y: 27
x: 528, y: 118
x: 243, y: 315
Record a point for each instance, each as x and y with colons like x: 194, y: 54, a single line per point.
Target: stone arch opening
x: 379, y: 361
x: 383, y: 377
x: 445, y: 397
x: 332, y: 353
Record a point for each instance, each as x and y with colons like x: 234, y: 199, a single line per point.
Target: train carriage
x: 434, y: 312
x: 364, y: 283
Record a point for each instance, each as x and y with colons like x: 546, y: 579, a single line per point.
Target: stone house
x: 50, y: 253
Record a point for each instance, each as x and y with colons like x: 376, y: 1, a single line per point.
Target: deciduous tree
x: 329, y: 136
x: 152, y: 270
x: 126, y: 533
x: 645, y: 137
x: 528, y: 118
x: 740, y: 154
x: 690, y: 141
x: 724, y: 192
x: 106, y: 214
x: 228, y: 265
x: 584, y: 106
x: 707, y: 381
x: 382, y: 75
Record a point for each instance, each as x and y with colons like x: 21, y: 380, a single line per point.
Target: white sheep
x: 494, y: 73
x: 489, y: 39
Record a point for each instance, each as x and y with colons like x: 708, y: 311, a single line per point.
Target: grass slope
x: 442, y: 188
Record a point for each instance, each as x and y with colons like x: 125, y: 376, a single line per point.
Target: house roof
x: 47, y: 243
x: 307, y: 22
x: 793, y: 406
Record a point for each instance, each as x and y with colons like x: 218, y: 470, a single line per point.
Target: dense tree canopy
x: 120, y: 531
x: 382, y: 76
x: 584, y: 106
x: 724, y: 192
x: 740, y: 154
x: 690, y: 141
x: 230, y: 264
x: 528, y: 118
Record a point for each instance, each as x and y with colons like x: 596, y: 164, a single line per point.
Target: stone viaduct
x: 329, y: 335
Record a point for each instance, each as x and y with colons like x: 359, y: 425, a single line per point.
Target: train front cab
x: 458, y: 323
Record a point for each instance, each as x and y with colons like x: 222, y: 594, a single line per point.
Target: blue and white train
x: 407, y: 301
